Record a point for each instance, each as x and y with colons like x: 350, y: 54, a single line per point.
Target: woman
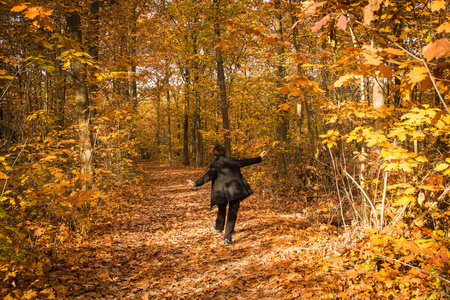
x: 228, y: 187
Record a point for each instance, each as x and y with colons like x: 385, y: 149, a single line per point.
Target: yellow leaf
x: 404, y: 200
x: 417, y: 74
x: 3, y: 175
x: 421, y: 159
x: 19, y: 8
x: 410, y: 191
x: 441, y: 167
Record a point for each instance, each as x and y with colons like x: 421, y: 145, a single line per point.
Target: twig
x: 413, y: 56
x: 6, y: 180
x: 365, y: 195
x: 403, y: 263
x: 337, y: 188
x: 9, y: 85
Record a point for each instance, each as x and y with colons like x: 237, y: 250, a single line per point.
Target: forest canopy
x: 351, y: 98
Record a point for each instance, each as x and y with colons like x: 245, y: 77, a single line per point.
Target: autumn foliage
x: 350, y: 98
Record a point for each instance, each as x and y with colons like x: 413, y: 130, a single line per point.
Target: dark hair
x: 219, y: 150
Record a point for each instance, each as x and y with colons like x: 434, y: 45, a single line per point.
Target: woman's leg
x: 231, y: 219
x: 221, y: 213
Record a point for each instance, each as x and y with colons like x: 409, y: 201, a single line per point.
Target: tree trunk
x: 282, y: 117
x: 169, y: 129
x: 195, y: 86
x: 221, y: 83
x: 82, y: 104
x: 186, y: 118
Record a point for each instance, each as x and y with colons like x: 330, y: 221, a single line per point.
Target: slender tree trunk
x: 195, y: 87
x: 169, y: 129
x: 221, y: 83
x: 158, y: 118
x: 282, y: 118
x: 133, y: 61
x: 296, y: 43
x: 186, y: 118
x: 82, y: 104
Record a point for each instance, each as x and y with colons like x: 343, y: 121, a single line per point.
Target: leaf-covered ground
x: 163, y: 247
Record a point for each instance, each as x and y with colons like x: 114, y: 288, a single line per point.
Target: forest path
x: 164, y: 247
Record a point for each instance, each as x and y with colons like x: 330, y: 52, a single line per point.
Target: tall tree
x: 283, y: 116
x: 221, y: 79
x: 81, y: 98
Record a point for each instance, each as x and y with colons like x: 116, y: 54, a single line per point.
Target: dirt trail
x: 164, y: 248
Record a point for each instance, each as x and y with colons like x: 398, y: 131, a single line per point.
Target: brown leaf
x: 437, y: 49
x: 29, y: 295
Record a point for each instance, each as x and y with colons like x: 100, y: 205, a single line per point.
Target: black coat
x: 228, y: 184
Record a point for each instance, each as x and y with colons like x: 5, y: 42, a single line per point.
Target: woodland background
x: 349, y: 97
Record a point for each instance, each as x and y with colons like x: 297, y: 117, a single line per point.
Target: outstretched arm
x: 251, y: 161
x: 204, y: 179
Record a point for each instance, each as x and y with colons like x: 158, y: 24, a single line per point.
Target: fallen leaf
x: 30, y: 295
x: 39, y: 231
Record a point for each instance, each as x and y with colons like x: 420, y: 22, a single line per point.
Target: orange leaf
x: 372, y: 59
x: 394, y: 51
x: 20, y: 7
x: 375, y: 4
x: 32, y: 12
x: 344, y: 79
x: 312, y: 9
x: 320, y: 23
x: 437, y: 5
x: 437, y: 49
x: 342, y: 22
x: 444, y: 28
x: 368, y: 14
x: 39, y: 231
